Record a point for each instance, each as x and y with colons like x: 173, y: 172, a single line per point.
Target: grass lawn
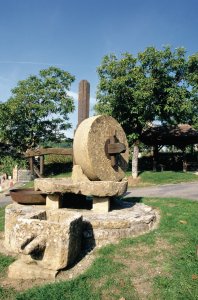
x: 147, y: 178
x: 162, y: 264
x: 2, y: 219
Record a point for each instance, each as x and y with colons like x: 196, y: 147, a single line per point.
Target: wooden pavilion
x: 180, y: 136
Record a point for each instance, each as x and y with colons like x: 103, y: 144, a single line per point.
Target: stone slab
x: 22, y: 270
x: 87, y: 188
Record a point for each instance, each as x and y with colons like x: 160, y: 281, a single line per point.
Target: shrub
x: 7, y: 163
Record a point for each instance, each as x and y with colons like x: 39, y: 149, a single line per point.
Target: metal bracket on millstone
x: 114, y: 148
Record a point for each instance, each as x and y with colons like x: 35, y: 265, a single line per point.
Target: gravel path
x: 180, y: 190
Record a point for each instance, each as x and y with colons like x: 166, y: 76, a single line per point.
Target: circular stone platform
x: 90, y: 148
x: 125, y: 220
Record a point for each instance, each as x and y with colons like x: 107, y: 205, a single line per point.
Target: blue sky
x: 75, y: 35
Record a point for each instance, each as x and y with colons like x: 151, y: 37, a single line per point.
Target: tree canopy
x: 157, y: 85
x: 37, y: 110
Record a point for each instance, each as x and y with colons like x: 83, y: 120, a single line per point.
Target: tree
x: 157, y: 85
x: 37, y: 110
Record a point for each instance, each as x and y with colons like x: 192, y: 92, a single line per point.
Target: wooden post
x: 83, y: 100
x: 155, y: 157
x: 135, y: 160
x: 31, y: 165
x: 184, y: 161
x: 41, y: 164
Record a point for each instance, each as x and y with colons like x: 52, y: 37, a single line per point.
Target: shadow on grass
x: 133, y: 200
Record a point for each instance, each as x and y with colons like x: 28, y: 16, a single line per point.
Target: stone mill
x: 50, y: 237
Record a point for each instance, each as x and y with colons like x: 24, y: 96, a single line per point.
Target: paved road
x: 4, y: 200
x: 179, y: 190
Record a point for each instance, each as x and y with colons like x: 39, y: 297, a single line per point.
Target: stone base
x: 57, y: 234
x: 21, y: 270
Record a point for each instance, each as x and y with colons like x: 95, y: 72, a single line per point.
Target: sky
x: 75, y: 35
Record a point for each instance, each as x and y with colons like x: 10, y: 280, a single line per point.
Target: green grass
x: 165, y: 177
x: 6, y: 293
x: 5, y: 261
x: 163, y: 263
x: 2, y: 218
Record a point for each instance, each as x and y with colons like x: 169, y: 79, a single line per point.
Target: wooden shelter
x: 180, y: 136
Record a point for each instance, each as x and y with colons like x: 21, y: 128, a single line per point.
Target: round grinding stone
x: 90, y: 148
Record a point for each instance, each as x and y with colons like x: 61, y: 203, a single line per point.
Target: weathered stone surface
x: 127, y: 221
x: 53, y: 201
x: 94, y: 188
x: 20, y: 270
x: 78, y: 175
x: 51, y: 238
x: 90, y: 144
x: 101, y: 204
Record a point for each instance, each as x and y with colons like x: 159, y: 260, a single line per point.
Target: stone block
x: 53, y: 201
x: 20, y: 270
x: 52, y: 238
x: 78, y: 175
x: 101, y: 204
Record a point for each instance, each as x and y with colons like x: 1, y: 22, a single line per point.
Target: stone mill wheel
x: 100, y: 147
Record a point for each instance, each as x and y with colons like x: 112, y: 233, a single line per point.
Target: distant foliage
x: 37, y: 110
x: 157, y: 85
x: 7, y: 163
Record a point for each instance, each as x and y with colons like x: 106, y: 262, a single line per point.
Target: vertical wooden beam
x: 41, y: 164
x: 83, y: 100
x: 31, y: 165
x: 113, y: 157
x: 184, y: 161
x: 155, y: 157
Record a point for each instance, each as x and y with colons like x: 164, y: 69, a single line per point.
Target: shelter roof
x: 180, y: 135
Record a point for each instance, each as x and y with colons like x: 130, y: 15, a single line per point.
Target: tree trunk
x: 135, y: 160
x: 155, y: 158
x: 184, y: 161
